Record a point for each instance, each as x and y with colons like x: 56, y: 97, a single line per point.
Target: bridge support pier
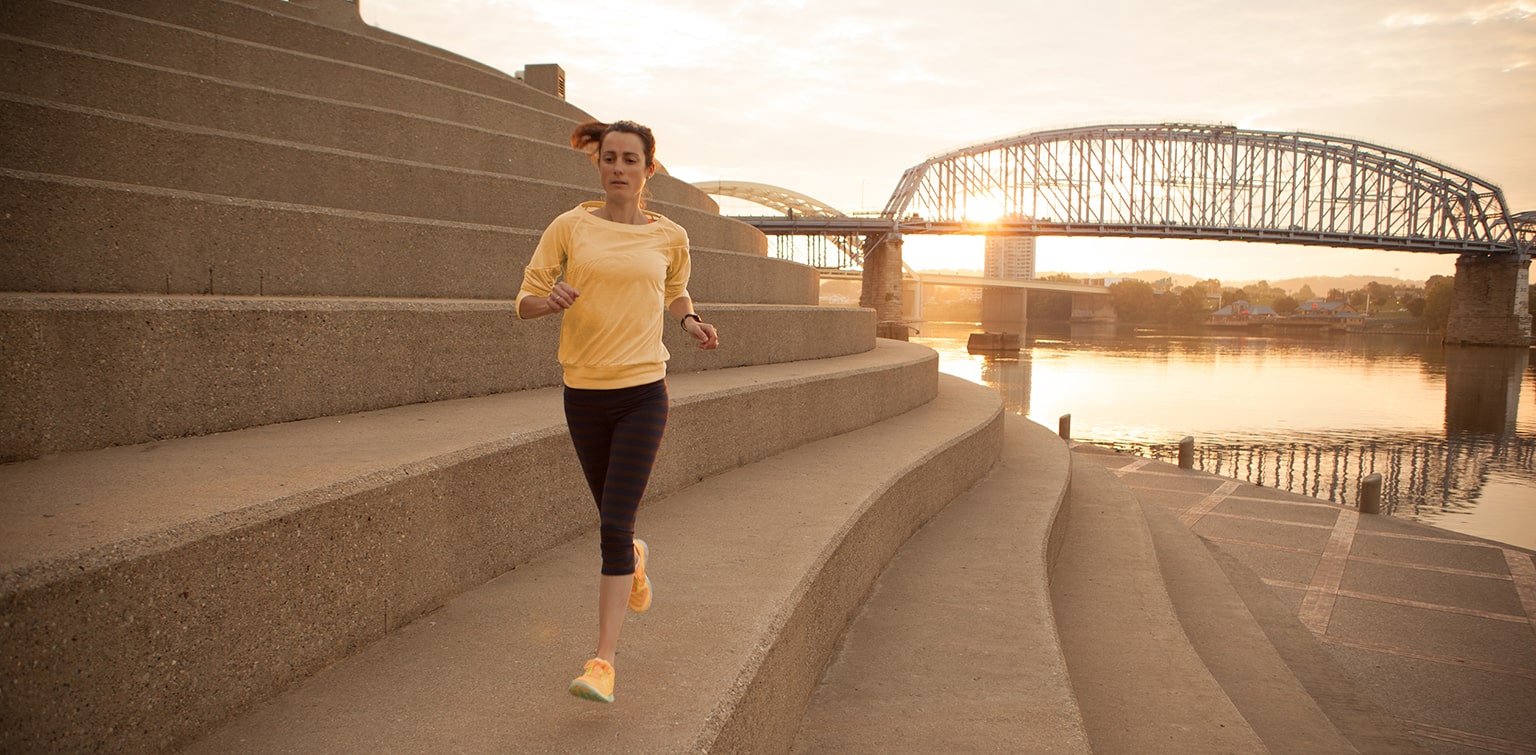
x: 1005, y: 310
x: 1491, y: 307
x: 881, y: 289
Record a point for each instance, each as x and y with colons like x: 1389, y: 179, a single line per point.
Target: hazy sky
x: 836, y: 99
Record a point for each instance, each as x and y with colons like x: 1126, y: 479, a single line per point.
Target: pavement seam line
x: 1268, y: 520
x: 1131, y: 467
x: 1440, y: 569
x: 1431, y: 539
x: 1258, y: 544
x: 1371, y: 647
x: 1317, y: 607
x: 1190, y: 517
x: 1315, y: 504
x: 1523, y: 572
x: 1441, y: 607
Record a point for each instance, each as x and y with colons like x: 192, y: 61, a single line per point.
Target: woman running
x: 611, y: 267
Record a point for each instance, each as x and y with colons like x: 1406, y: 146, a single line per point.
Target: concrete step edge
x: 1296, y: 695
x: 389, y: 514
x: 183, y: 40
x: 957, y: 650
x: 1137, y: 676
x: 84, y: 79
x: 1231, y: 643
x: 71, y: 140
x: 110, y: 238
x: 92, y: 371
x: 755, y: 573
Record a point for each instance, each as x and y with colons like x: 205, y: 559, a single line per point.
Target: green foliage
x: 1136, y: 302
x: 1284, y: 305
x: 1415, y: 306
x: 1188, y: 308
x: 1437, y: 302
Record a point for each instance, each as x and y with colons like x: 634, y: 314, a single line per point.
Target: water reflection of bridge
x: 1423, y: 476
x: 1420, y: 475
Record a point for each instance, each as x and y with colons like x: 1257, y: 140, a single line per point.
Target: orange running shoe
x: 595, y: 682
x: 640, y: 591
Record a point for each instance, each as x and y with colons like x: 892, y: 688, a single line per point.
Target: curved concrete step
x: 1240, y: 654
x: 1215, y: 536
x: 332, y: 29
x: 68, y: 140
x: 74, y: 235
x: 328, y: 74
x: 200, y: 575
x: 89, y: 371
x: 1139, y: 683
x: 756, y: 571
x: 956, y: 649
x: 50, y: 73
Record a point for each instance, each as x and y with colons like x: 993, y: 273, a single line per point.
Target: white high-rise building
x: 1010, y: 257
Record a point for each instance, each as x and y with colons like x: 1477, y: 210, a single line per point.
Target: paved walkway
x: 1438, y: 628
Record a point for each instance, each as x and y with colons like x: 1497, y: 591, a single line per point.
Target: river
x: 1313, y: 415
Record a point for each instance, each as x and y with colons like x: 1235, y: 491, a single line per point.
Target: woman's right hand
x: 561, y: 297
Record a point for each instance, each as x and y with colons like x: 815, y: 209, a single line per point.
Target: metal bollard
x: 1064, y: 427
x: 1370, y: 494
x: 1187, y: 452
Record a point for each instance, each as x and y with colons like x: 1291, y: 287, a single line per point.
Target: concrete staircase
x: 266, y: 409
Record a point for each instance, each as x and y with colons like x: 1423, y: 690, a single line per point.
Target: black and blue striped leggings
x: 617, y: 433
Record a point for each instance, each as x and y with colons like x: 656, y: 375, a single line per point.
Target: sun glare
x: 984, y: 208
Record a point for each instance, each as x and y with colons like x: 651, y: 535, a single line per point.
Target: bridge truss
x: 1210, y: 182
x: 846, y: 247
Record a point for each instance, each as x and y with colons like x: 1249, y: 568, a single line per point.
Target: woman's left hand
x: 704, y: 333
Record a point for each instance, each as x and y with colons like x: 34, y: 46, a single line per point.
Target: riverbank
x: 1306, y: 415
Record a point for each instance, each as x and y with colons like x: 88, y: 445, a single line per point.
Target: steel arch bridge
x: 849, y: 245
x: 1208, y: 181
x: 1191, y: 181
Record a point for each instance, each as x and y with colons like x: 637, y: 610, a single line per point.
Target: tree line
x: 1160, y: 303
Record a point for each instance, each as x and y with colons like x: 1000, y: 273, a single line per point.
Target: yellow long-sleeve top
x: 625, y: 276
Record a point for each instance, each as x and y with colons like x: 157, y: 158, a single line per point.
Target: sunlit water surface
x: 1452, y: 431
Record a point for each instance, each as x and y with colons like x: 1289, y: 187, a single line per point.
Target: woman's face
x: 621, y: 165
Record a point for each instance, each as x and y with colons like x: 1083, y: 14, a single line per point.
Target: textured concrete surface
x: 1139, y: 682
x: 1176, y: 638
x: 110, y: 238
x: 755, y: 573
x: 86, y: 372
x: 956, y: 649
x: 1409, y: 638
x: 198, y: 575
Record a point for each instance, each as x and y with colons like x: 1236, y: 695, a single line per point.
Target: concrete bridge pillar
x: 1491, y: 307
x: 1005, y: 310
x: 881, y: 290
